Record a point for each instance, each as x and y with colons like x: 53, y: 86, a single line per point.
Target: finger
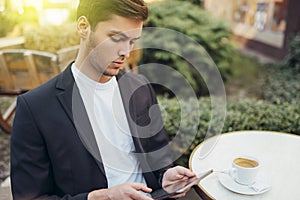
x: 139, y: 196
x: 184, y: 171
x: 175, y: 181
x: 142, y: 187
x: 175, y: 175
x: 179, y: 195
x: 180, y: 177
x: 179, y: 172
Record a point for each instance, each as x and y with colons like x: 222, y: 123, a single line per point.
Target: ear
x: 83, y: 26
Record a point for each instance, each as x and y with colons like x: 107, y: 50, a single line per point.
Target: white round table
x: 278, y: 153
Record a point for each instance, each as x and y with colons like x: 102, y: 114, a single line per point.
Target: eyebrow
x: 113, y: 32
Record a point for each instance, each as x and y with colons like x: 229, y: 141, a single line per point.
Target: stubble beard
x: 99, y: 69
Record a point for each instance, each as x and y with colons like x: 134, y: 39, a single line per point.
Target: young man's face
x: 110, y: 44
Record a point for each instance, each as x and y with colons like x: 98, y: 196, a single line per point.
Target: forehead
x: 128, y: 26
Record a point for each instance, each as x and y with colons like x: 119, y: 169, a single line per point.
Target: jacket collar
x: 71, y: 101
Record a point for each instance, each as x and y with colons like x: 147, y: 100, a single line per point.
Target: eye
x: 117, y: 38
x: 132, y: 42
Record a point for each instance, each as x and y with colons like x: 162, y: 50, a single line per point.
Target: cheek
x: 109, y: 48
x: 104, y: 53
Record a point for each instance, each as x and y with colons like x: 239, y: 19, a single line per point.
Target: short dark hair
x: 102, y: 10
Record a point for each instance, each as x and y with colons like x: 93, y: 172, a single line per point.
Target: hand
x: 174, y: 175
x: 125, y: 191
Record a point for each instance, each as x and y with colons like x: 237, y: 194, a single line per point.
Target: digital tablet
x: 178, y: 187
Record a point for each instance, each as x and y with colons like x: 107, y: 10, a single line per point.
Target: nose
x: 125, y: 54
x: 125, y: 51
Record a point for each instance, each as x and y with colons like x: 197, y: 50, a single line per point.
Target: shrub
x: 197, y: 2
x: 15, y: 24
x: 51, y: 38
x: 261, y: 115
x: 247, y: 114
x: 281, y: 84
x: 8, y: 22
x: 191, y: 20
x: 293, y: 58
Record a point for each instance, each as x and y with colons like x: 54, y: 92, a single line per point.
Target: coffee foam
x: 245, y: 162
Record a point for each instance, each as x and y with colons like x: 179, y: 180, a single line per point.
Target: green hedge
x: 293, y: 58
x: 247, y: 114
x: 281, y: 82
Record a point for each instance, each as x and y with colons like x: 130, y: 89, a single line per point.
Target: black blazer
x: 53, y: 146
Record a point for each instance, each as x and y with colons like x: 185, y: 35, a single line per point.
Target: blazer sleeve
x: 31, y: 173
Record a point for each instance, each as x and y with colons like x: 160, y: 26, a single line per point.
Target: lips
x: 118, y: 64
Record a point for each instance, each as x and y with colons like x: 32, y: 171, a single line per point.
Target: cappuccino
x: 246, y: 163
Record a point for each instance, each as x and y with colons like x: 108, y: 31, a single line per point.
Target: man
x: 94, y: 132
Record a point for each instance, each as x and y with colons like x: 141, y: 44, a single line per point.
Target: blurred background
x: 254, y: 43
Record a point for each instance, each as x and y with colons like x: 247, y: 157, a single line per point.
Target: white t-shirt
x: 106, y: 113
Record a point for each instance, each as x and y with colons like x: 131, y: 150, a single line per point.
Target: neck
x: 104, y: 79
x: 83, y: 64
x: 92, y: 73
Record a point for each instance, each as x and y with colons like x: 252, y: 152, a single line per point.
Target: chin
x: 111, y: 72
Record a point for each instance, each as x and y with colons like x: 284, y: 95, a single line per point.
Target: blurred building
x: 263, y: 25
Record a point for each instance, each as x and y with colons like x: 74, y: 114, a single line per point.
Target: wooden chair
x: 20, y: 71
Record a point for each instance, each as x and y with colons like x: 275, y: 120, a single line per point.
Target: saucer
x: 227, y: 181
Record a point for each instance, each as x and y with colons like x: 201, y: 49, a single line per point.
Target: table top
x: 277, y: 152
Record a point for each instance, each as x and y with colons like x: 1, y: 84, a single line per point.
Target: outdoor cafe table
x: 277, y: 152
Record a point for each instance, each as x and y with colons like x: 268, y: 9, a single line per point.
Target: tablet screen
x: 178, y: 187
x: 174, y: 189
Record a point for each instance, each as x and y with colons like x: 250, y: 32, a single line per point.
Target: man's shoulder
x: 44, y: 90
x: 52, y: 86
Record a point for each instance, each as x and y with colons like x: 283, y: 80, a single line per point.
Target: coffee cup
x: 244, y: 169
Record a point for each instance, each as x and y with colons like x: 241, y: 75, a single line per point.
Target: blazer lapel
x: 73, y: 105
x: 129, y: 101
x: 126, y: 88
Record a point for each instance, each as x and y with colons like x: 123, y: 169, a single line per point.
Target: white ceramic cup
x: 244, y: 169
